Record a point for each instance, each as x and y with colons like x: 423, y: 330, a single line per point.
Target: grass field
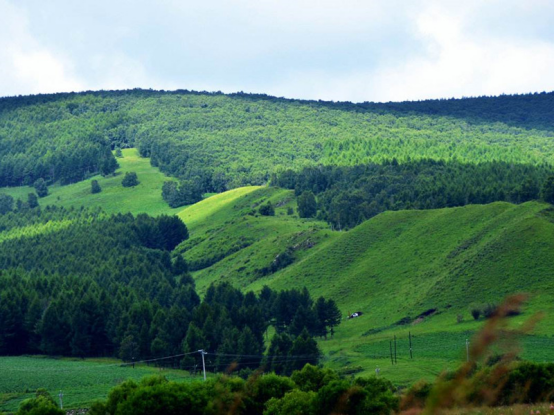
x: 82, y: 381
x: 145, y: 197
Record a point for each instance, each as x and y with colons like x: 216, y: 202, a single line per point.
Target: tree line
x: 79, y: 282
x: 346, y: 196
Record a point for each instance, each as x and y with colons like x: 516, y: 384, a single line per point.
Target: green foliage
x: 32, y: 201
x: 130, y: 180
x: 547, y: 191
x: 295, y: 402
x: 227, y: 141
x: 312, y: 378
x: 186, y: 193
x: 41, y: 404
x: 364, y: 396
x: 267, y: 209
x: 6, y: 204
x: 118, y: 152
x: 307, y: 205
x: 95, y: 187
x: 40, y: 188
x: 351, y: 195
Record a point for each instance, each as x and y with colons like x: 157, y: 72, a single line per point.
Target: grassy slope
x: 228, y: 226
x: 396, y: 265
x: 145, y: 197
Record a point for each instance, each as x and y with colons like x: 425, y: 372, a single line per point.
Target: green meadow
x: 81, y: 381
x: 146, y: 197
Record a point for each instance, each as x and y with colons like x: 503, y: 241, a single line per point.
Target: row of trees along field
x: 82, y: 283
x: 346, y: 196
x: 225, y: 141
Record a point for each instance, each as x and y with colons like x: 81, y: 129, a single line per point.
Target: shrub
x: 41, y: 404
x: 130, y: 180
x: 267, y: 209
x: 290, y: 210
x: 476, y: 313
x: 489, y: 310
x: 40, y: 188
x: 459, y: 318
x: 95, y: 187
x: 295, y: 402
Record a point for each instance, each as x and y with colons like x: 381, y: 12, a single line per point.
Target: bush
x: 295, y: 402
x: 95, y: 187
x: 41, y: 404
x: 267, y: 209
x: 459, y: 318
x: 489, y: 310
x: 476, y: 313
x: 290, y: 210
x: 130, y: 180
x: 40, y: 188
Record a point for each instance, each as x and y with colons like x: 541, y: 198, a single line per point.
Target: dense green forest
x: 224, y: 141
x: 84, y: 283
x: 348, y: 196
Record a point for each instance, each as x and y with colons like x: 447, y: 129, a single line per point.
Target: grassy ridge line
x: 214, y: 205
x: 146, y: 197
x: 227, y: 228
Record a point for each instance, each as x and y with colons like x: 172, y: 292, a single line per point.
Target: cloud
x: 453, y: 62
x: 358, y: 50
x: 28, y: 67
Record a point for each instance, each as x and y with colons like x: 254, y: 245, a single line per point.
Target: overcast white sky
x: 383, y: 50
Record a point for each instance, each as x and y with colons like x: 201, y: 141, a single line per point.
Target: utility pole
x: 203, y: 362
x: 395, y: 360
x: 467, y: 350
x: 61, y: 399
x: 410, y: 336
x: 391, y: 360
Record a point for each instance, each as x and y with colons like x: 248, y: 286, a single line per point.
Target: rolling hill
x: 397, y: 268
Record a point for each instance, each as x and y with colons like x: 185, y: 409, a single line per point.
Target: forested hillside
x: 225, y: 141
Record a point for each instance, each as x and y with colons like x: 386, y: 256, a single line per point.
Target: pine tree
x: 304, y: 351
x: 32, y: 201
x: 95, y: 187
x: 307, y: 205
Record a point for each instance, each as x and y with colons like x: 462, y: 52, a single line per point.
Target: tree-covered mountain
x: 225, y: 141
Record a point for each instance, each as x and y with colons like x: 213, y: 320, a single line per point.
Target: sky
x: 347, y: 50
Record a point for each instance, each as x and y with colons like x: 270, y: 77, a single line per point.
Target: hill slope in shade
x: 146, y: 197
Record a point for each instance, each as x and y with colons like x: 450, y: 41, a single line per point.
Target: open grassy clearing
x: 146, y: 197
x: 82, y: 381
